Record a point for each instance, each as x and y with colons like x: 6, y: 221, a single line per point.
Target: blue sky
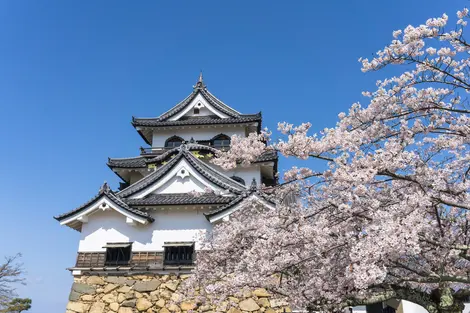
x: 73, y: 73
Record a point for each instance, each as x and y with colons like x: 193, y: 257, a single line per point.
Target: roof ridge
x: 105, y: 190
x: 192, y: 94
x: 221, y: 102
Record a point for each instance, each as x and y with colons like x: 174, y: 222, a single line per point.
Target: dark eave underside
x: 202, y: 120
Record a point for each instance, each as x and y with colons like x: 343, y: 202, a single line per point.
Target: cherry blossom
x: 388, y: 215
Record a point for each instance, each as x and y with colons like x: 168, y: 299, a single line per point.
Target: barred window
x: 181, y: 253
x: 118, y: 253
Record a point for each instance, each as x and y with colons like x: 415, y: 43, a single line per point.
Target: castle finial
x: 200, y: 82
x: 201, y: 79
x: 253, y: 185
x: 104, y: 187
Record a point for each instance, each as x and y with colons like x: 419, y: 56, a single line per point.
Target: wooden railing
x: 151, y: 260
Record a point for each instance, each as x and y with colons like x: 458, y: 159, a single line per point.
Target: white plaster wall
x: 181, y: 185
x: 198, y: 101
x: 160, y: 136
x: 169, y: 226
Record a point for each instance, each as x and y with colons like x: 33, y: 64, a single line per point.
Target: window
x: 179, y: 253
x: 221, y: 141
x: 118, y: 253
x: 196, y: 111
x: 238, y: 179
x: 174, y: 142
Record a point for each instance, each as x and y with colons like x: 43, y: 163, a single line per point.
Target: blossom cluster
x: 389, y: 216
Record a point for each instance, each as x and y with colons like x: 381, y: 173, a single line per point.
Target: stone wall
x: 157, y: 293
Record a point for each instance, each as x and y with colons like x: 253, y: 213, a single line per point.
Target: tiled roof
x: 200, y: 120
x: 141, y: 162
x: 209, y: 173
x: 179, y: 198
x: 136, y: 162
x: 234, y: 117
x: 105, y: 191
x: 200, y: 88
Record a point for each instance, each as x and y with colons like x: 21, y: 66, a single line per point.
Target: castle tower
x: 149, y: 228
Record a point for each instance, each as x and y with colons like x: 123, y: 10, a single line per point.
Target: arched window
x: 238, y: 179
x: 196, y: 111
x: 173, y: 142
x: 221, y: 141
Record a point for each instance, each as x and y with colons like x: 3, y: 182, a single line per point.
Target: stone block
x: 95, y: 280
x: 87, y: 298
x: 172, y: 285
x: 124, y: 289
x: 261, y: 292
x: 174, y: 308
x: 143, y: 304
x: 83, y: 288
x: 188, y: 305
x: 130, y: 282
x: 125, y: 310
x: 264, y: 302
x: 110, y: 298
x: 74, y: 296
x: 124, y: 296
x: 97, y: 307
x: 118, y: 280
x: 78, y: 307
x: 160, y: 303
x: 109, y: 287
x: 129, y: 303
x: 234, y: 310
x: 114, y: 306
x: 249, y: 305
x: 146, y: 286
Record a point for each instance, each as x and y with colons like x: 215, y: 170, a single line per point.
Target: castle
x: 137, y: 242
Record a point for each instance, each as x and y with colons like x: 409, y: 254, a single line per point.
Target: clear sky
x: 72, y: 74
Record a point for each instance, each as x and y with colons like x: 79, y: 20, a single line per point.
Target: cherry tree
x: 387, y: 214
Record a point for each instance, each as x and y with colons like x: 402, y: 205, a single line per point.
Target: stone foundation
x: 157, y: 293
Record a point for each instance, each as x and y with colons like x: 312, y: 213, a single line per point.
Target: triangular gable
x: 202, y: 104
x: 104, y: 200
x: 188, y: 172
x: 202, y: 96
x: 182, y: 178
